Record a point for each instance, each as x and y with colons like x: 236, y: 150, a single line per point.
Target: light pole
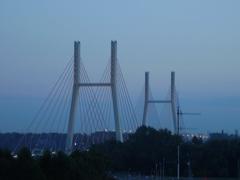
x: 179, y: 114
x: 178, y: 146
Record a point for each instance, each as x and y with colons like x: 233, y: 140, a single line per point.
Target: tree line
x: 59, y: 166
x: 150, y: 150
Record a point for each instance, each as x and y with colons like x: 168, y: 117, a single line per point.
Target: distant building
x: 189, y: 136
x: 223, y: 136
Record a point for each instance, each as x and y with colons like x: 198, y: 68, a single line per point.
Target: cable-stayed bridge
x: 78, y: 113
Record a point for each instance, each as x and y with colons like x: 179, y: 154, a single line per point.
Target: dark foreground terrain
x: 77, y: 166
x: 146, y: 153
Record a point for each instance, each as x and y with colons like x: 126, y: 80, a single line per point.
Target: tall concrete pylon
x: 76, y: 88
x: 113, y: 80
x: 146, y: 99
x: 75, y: 96
x: 172, y: 101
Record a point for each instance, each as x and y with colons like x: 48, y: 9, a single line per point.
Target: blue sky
x: 200, y: 40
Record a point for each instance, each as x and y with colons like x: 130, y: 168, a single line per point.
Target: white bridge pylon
x: 172, y: 101
x: 77, y: 89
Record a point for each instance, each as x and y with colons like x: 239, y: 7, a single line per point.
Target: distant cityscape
x: 56, y: 141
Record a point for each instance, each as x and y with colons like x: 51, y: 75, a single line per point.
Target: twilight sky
x: 200, y: 40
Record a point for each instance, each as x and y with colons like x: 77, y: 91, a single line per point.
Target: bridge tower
x: 77, y: 89
x: 172, y: 101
